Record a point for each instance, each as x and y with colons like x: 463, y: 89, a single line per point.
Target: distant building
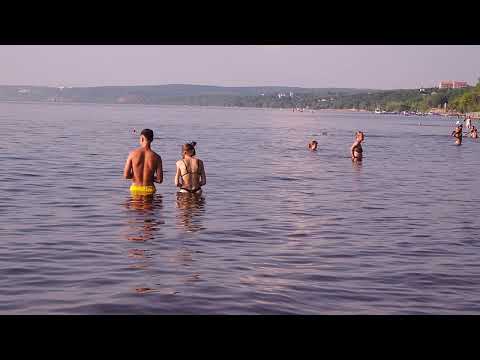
x: 291, y: 94
x: 452, y: 84
x: 23, y: 91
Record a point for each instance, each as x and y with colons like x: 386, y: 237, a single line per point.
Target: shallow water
x: 279, y: 230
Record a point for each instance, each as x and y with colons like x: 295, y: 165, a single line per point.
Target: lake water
x: 279, y: 230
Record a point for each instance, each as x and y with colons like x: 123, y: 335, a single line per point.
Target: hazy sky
x: 359, y: 66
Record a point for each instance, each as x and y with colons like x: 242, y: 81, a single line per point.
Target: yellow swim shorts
x: 142, y: 190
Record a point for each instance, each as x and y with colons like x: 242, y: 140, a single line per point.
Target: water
x: 279, y: 230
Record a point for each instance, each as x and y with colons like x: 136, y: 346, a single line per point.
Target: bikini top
x: 188, y: 171
x: 358, y: 148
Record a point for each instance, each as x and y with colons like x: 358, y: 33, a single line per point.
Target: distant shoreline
x: 174, y: 105
x: 307, y: 111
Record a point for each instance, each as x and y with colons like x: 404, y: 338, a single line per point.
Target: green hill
x: 462, y: 100
x: 159, y: 94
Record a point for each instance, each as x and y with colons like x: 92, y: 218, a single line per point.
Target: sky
x: 319, y: 66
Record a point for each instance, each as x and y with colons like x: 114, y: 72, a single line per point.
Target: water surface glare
x: 279, y: 230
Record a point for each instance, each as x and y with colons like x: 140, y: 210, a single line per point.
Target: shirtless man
x: 356, y: 149
x: 142, y: 165
x: 458, y: 133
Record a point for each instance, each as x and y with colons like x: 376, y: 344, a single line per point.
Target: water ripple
x: 278, y: 230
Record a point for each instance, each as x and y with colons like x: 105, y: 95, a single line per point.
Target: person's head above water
x: 189, y: 149
x: 146, y: 137
x: 312, y: 145
x: 359, y: 135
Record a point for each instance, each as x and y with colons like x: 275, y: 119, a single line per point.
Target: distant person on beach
x: 468, y: 122
x: 356, y: 149
x: 313, y: 145
x: 458, y: 133
x: 473, y: 132
x: 190, y: 175
x: 144, y: 166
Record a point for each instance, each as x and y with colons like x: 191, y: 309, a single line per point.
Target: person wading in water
x: 144, y: 166
x: 356, y: 149
x: 458, y: 133
x: 190, y: 175
x: 313, y: 145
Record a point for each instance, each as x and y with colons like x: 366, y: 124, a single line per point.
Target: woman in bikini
x: 356, y: 149
x: 458, y: 133
x: 190, y: 175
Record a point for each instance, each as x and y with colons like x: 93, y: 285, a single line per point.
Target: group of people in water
x: 356, y: 150
x: 144, y: 167
x: 458, y: 131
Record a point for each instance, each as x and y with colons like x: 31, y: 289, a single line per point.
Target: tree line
x: 461, y: 100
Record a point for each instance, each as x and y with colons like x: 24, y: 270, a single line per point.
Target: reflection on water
x: 190, y: 209
x: 146, y: 217
x: 144, y: 222
x: 184, y: 257
x: 357, y: 165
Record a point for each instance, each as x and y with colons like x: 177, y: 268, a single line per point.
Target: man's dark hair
x: 148, y: 134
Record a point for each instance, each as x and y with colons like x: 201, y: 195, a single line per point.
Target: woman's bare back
x: 191, y: 173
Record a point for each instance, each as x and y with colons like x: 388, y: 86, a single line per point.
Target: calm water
x: 279, y: 229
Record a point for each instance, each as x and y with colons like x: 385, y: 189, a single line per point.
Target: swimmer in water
x: 473, y: 132
x: 356, y: 149
x: 313, y: 145
x: 142, y: 165
x: 190, y: 175
x: 458, y: 133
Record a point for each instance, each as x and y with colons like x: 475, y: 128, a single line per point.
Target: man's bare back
x: 143, y: 165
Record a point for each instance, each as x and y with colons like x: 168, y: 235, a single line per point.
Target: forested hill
x: 159, y: 94
x: 462, y: 100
